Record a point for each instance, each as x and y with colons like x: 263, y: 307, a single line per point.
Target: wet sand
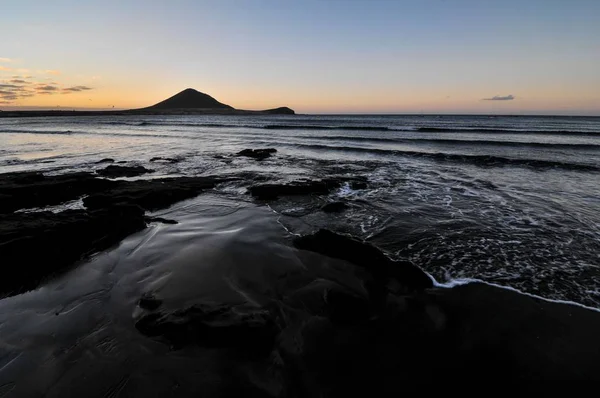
x: 76, y: 335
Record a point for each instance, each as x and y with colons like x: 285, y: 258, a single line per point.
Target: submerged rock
x: 358, y: 185
x: 258, y: 154
x: 212, y: 326
x: 165, y: 160
x: 114, y: 171
x: 272, y: 191
x: 161, y: 220
x: 149, y: 302
x: 367, y: 256
x: 106, y: 160
x: 335, y: 207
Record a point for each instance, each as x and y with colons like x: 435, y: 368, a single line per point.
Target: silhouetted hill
x: 187, y: 102
x: 190, y: 99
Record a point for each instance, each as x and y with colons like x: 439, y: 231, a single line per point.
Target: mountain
x: 190, y: 99
x: 187, y: 102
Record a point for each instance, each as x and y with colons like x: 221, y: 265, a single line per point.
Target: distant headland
x: 186, y: 102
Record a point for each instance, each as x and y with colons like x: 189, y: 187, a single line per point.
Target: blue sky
x: 314, y: 56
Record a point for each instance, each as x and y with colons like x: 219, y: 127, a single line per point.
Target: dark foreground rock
x: 106, y: 160
x: 150, y: 194
x: 258, y: 154
x: 149, y: 302
x: 34, y: 246
x: 408, y: 276
x: 335, y: 207
x: 164, y: 160
x: 212, y: 326
x: 32, y: 189
x: 114, y: 171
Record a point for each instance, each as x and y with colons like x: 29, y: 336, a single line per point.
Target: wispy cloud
x: 509, y: 97
x: 76, y: 89
x: 52, y: 72
x: 18, y: 81
x: 4, y: 68
x: 5, y: 60
x: 46, y: 89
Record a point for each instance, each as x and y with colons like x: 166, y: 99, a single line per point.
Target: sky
x: 412, y: 56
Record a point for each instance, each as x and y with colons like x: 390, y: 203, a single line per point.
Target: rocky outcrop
x: 335, y: 207
x: 32, y: 189
x: 258, y: 154
x: 408, y: 277
x: 114, y: 171
x: 150, y: 194
x: 34, y: 246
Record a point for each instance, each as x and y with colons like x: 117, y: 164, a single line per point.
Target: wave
x: 42, y: 132
x: 504, y: 131
x: 478, y: 160
x: 458, y: 142
x: 383, y: 128
x: 318, y: 127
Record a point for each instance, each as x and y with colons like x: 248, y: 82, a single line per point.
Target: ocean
x: 511, y: 200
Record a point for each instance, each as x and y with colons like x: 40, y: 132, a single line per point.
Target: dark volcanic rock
x: 258, y: 154
x: 149, y: 302
x: 335, y: 207
x: 272, y: 191
x: 164, y: 160
x: 161, y: 220
x: 36, y: 245
x: 31, y: 189
x: 106, y: 160
x: 150, y: 194
x: 366, y: 256
x: 113, y: 171
x: 212, y: 326
x: 358, y: 185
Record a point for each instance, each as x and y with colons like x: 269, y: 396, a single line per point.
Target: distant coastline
x: 186, y: 102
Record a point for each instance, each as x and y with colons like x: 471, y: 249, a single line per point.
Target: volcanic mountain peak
x: 190, y: 99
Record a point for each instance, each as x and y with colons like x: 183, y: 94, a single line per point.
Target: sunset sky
x: 432, y: 56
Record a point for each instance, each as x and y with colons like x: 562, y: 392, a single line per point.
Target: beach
x: 296, y: 255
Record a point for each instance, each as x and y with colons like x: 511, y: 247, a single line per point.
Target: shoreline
x: 146, y: 112
x: 226, y: 292
x: 148, y: 283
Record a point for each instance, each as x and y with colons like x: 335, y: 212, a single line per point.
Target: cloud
x: 76, y: 89
x: 9, y: 86
x: 18, y: 81
x: 46, y: 89
x: 509, y: 97
x: 52, y: 72
x: 6, y: 60
x: 9, y: 97
x: 5, y: 68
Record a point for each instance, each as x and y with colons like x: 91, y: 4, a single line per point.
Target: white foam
x: 76, y: 204
x: 463, y: 281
